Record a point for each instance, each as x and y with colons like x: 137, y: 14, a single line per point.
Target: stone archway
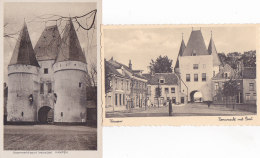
x: 196, y: 96
x: 45, y: 115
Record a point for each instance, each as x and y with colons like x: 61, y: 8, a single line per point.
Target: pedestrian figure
x: 170, y: 108
x: 208, y: 103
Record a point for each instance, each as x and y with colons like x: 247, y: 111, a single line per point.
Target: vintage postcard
x: 180, y: 74
x: 50, y: 73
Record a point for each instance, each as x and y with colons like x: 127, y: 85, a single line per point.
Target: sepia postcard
x: 180, y: 74
x: 50, y: 74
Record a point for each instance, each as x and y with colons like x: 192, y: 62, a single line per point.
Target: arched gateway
x: 196, y: 96
x: 45, y: 115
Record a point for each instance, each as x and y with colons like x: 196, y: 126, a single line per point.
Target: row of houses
x: 198, y: 75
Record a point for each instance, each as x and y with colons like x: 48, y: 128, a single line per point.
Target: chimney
x: 130, y: 65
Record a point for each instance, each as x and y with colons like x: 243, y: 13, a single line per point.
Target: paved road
x: 49, y: 137
x: 194, y: 109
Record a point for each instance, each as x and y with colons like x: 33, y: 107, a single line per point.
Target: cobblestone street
x: 191, y: 109
x: 49, y: 137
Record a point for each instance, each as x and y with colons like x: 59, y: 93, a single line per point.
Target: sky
x: 140, y: 44
x: 16, y: 13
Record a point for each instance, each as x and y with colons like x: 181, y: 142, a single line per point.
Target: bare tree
x: 82, y: 21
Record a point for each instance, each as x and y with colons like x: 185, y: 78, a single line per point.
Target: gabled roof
x: 213, y: 51
x: 196, y: 45
x: 249, y: 73
x: 47, y: 46
x: 169, y: 78
x: 226, y: 69
x: 182, y: 47
x: 23, y: 52
x: 70, y: 49
x: 110, y: 68
x: 116, y: 65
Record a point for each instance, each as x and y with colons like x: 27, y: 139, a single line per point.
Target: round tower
x: 22, y: 81
x: 70, y: 71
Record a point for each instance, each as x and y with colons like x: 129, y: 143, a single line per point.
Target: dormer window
x: 226, y: 75
x: 194, y: 53
x: 161, y: 81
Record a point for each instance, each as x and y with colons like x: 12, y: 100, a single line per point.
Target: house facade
x: 169, y: 85
x: 226, y: 73
x: 249, y: 85
x: 125, y: 88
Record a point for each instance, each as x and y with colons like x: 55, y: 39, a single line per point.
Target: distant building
x: 125, y: 87
x: 196, y: 65
x: 169, y: 85
x: 226, y: 73
x: 249, y: 85
x: 47, y: 83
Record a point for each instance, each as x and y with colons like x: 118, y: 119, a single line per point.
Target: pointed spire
x: 70, y: 49
x: 196, y: 44
x: 213, y: 51
x: 181, y: 50
x: 47, y: 46
x: 23, y: 52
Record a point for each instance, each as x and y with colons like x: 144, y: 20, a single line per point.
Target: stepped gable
x: 70, y: 49
x: 196, y: 45
x: 23, y: 52
x: 47, y: 46
x: 213, y: 51
x: 182, y: 47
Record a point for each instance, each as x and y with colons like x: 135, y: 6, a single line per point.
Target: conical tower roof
x: 213, y: 51
x: 196, y: 45
x: 47, y: 46
x: 70, y: 49
x: 182, y: 48
x: 23, y: 52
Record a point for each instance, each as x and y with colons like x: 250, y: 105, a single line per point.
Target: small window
x: 161, y: 81
x: 120, y: 99
x: 182, y: 100
x: 195, y: 66
x: 61, y: 114
x: 45, y: 70
x: 238, y: 85
x: 204, y: 77
x: 251, y: 87
x: 196, y: 77
x: 166, y: 90
x: 216, y: 85
x: 80, y: 84
x: 49, y: 87
x: 247, y: 96
x: 173, y: 90
x: 214, y: 73
x: 226, y: 75
x: 188, y: 77
x: 116, y: 99
x: 22, y: 114
x: 41, y: 88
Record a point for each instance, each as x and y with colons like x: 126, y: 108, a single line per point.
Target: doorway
x: 45, y: 115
